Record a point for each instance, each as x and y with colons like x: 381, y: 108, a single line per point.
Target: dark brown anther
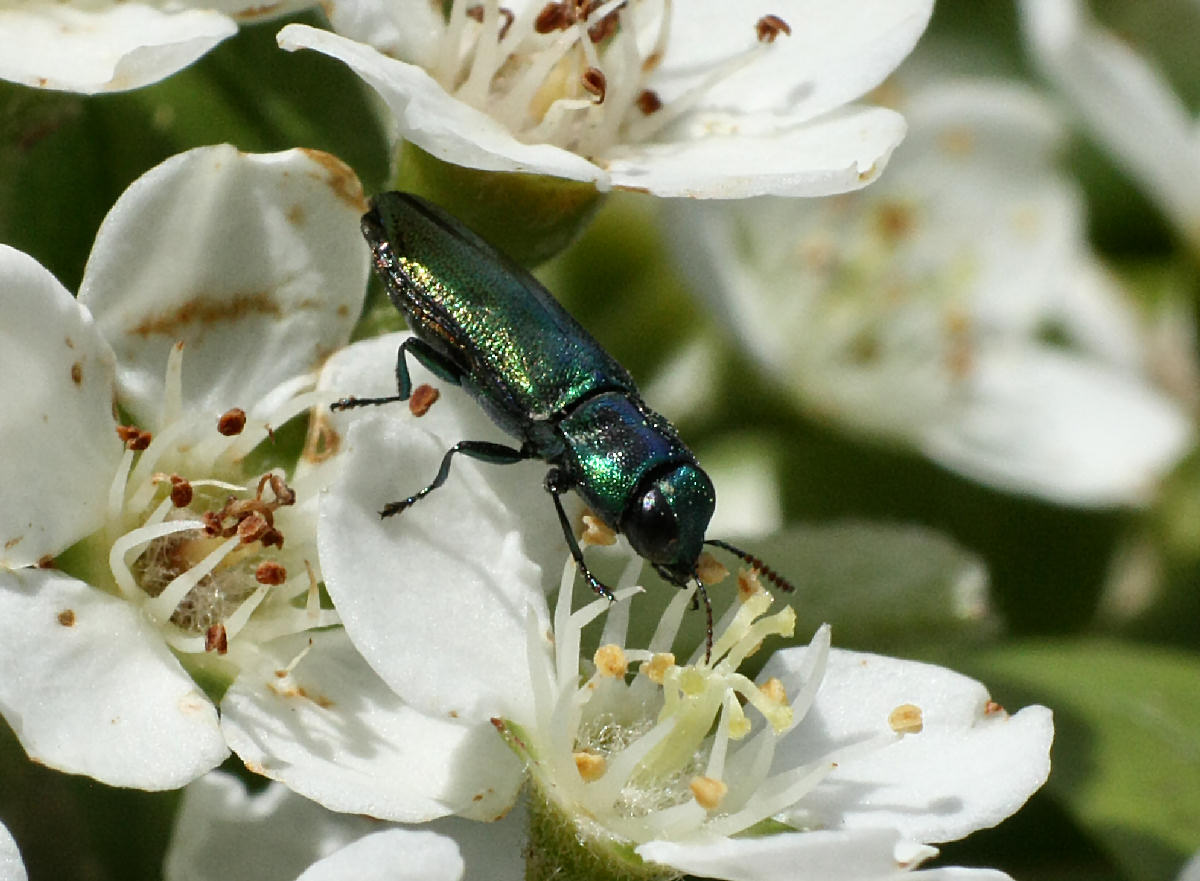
x: 133, y: 437
x: 181, y: 492
x: 507, y: 15
x: 604, y: 28
x: 216, y: 639
x: 554, y: 17
x: 46, y: 561
x: 284, y: 494
x: 252, y: 527
x: 423, y: 397
x: 475, y: 13
x: 212, y: 523
x: 595, y: 83
x: 77, y: 373
x: 270, y: 572
x: 271, y: 538
x: 769, y: 27
x: 648, y: 101
x: 232, y: 422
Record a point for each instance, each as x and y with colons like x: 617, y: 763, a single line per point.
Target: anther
x: 423, y: 397
x: 708, y: 792
x: 906, y: 719
x: 271, y: 573
x: 648, y: 101
x: 710, y: 570
x: 656, y: 668
x: 769, y: 27
x: 181, y: 492
x: 133, y: 437
x: 232, y: 422
x: 590, y: 765
x: 595, y: 83
x: 554, y: 17
x: 610, y: 661
x: 216, y: 639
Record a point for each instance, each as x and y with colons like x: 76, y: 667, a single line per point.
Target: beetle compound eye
x: 652, y: 527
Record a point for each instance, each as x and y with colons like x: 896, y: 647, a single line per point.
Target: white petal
x: 335, y: 733
x: 103, y: 47
x: 90, y: 687
x: 969, y: 768
x: 441, y: 125
x: 836, y: 51
x: 437, y: 597
x: 407, y: 29
x: 272, y: 835
x: 254, y: 261
x: 11, y: 867
x: 858, y: 855
x: 725, y: 156
x: 58, y: 435
x: 1191, y: 871
x: 392, y: 855
x: 1126, y: 102
x: 1041, y: 421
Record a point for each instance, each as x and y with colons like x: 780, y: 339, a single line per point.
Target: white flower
x: 446, y: 603
x: 1125, y: 101
x: 11, y: 867
x: 699, y: 98
x: 954, y: 307
x: 109, y: 46
x: 275, y: 835
x: 218, y: 281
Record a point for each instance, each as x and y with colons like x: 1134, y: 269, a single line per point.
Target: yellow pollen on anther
x: 774, y: 691
x: 610, y: 661
x: 656, y: 668
x: 748, y: 584
x: 906, y: 719
x: 591, y: 767
x: 708, y: 792
x: 710, y: 570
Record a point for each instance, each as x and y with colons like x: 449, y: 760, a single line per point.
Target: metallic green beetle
x: 484, y: 323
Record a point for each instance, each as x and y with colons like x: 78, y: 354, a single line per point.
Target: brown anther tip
x: 648, y: 101
x: 769, y: 27
x: 252, y: 527
x: 232, y: 422
x: 603, y: 29
x: 133, y: 437
x: 595, y: 83
x: 45, y: 562
x: 271, y: 538
x: 475, y: 13
x: 554, y: 17
x: 216, y: 639
x: 77, y: 373
x: 270, y: 572
x: 67, y: 617
x: 423, y: 397
x: 212, y: 523
x: 181, y: 492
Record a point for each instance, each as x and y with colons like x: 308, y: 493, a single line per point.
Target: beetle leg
x: 484, y: 451
x: 556, y: 486
x: 437, y: 364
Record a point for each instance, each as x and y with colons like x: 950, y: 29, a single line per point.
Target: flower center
x: 670, y: 752
x: 573, y: 73
x: 202, y: 553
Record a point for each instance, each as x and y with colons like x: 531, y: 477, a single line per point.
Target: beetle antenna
x: 708, y: 631
x: 755, y: 563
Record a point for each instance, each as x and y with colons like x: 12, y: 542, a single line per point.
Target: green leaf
x: 1126, y: 760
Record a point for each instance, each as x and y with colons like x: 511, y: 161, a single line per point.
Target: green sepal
x: 529, y: 217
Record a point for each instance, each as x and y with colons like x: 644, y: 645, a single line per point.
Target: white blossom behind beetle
x: 953, y: 308
x: 644, y: 747
x: 699, y: 98
x: 11, y: 867
x: 107, y: 46
x: 1125, y: 101
x: 216, y: 285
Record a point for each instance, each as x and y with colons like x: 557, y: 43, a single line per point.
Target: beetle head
x: 666, y: 522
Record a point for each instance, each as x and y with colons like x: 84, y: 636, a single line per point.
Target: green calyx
x: 528, y: 216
